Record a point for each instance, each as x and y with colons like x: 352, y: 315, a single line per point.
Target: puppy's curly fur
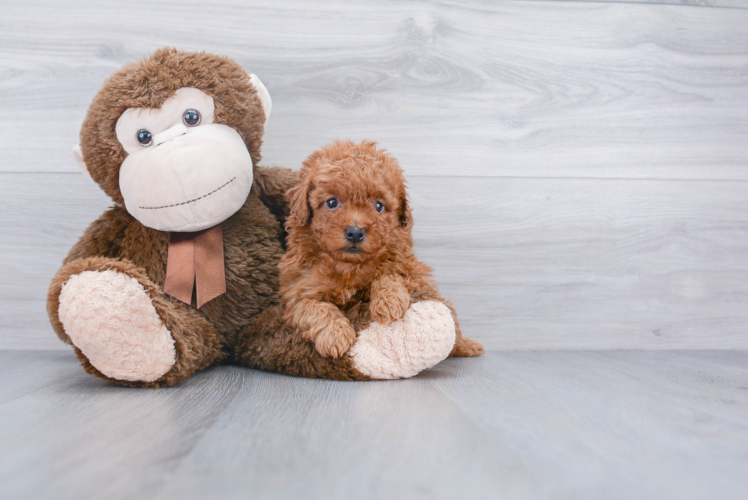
x: 350, y: 254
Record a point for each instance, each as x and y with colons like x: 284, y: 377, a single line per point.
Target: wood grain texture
x: 582, y: 425
x: 731, y: 4
x: 578, y: 168
x: 613, y: 264
x: 529, y: 263
x: 512, y: 88
x: 578, y: 172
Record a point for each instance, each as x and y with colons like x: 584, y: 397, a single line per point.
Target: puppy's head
x: 351, y: 201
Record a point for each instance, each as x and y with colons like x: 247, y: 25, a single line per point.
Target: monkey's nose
x: 354, y: 234
x: 169, y: 134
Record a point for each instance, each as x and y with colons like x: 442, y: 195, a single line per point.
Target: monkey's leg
x: 463, y: 346
x: 401, y: 349
x: 124, y: 328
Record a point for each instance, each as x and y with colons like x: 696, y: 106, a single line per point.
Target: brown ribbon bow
x: 196, y: 259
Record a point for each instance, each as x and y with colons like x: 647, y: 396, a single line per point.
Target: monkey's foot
x: 110, y: 318
x: 401, y: 349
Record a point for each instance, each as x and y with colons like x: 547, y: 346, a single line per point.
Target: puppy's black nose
x: 354, y: 234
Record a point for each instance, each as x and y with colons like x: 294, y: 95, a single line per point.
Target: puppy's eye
x: 332, y: 203
x: 145, y: 138
x: 191, y: 118
x: 379, y: 206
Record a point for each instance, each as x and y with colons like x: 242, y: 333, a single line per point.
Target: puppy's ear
x: 405, y: 217
x: 298, y: 201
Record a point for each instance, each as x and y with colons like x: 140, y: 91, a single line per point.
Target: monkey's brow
x: 193, y: 200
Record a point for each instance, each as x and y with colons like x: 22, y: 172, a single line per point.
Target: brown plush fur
x: 332, y: 287
x: 267, y: 344
x: 253, y: 237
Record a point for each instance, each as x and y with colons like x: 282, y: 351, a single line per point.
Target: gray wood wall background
x: 579, y: 170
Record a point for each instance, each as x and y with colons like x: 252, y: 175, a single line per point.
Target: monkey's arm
x: 103, y: 238
x: 271, y: 184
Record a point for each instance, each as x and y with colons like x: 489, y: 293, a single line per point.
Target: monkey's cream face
x: 182, y: 172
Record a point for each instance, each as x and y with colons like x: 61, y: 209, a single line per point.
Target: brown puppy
x: 350, y: 254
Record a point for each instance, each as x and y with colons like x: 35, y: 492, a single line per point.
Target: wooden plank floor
x: 582, y: 425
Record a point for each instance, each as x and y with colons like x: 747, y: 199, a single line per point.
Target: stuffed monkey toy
x: 182, y: 272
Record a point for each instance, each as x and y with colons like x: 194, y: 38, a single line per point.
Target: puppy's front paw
x: 390, y: 301
x: 389, y: 309
x: 335, y: 340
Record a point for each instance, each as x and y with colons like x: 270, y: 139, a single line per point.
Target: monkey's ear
x: 263, y: 94
x: 78, y: 155
x: 298, y: 202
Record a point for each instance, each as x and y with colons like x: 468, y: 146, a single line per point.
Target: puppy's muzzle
x: 355, y: 234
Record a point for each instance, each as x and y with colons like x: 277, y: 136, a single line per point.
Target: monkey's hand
x: 390, y: 299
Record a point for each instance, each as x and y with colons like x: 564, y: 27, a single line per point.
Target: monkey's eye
x: 145, y: 138
x: 191, y: 118
x: 379, y: 206
x: 332, y: 203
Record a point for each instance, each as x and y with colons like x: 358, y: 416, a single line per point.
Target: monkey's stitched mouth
x: 192, y: 200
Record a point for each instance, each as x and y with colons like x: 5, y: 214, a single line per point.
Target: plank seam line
x: 518, y: 177
x: 572, y: 178
x: 673, y: 4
